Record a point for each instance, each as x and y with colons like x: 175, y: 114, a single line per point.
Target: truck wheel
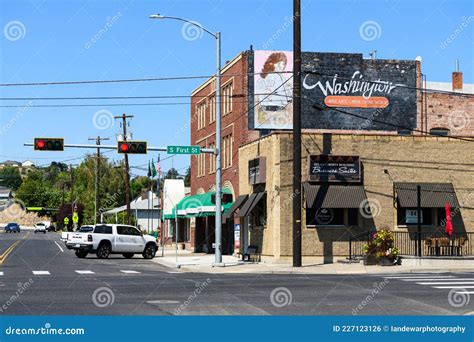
x: 81, y: 254
x: 103, y: 251
x: 150, y: 251
x: 128, y: 255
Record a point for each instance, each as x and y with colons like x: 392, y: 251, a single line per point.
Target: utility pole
x: 98, y: 139
x: 124, y: 118
x: 296, y: 133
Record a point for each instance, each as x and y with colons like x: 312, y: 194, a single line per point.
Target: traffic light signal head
x: 226, y: 198
x: 49, y: 144
x: 132, y: 147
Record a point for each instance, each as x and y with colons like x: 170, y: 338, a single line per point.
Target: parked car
x: 106, y: 239
x: 40, y: 227
x: 12, y: 227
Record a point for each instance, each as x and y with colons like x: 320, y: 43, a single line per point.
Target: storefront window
x: 409, y: 216
x: 325, y: 217
x: 353, y: 217
x: 260, y: 213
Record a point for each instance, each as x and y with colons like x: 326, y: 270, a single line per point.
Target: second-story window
x: 227, y: 98
x: 212, y: 109
x: 201, y: 164
x: 201, y: 114
x: 212, y: 160
x: 227, y: 143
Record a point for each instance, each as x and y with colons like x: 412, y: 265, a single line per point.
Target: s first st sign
x: 183, y: 149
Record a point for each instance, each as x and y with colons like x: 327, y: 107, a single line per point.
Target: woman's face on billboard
x: 280, y: 66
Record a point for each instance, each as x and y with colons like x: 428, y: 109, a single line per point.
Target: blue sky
x: 52, y: 41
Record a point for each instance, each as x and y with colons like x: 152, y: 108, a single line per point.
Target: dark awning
x: 433, y: 195
x: 251, y: 202
x: 334, y: 196
x: 236, y: 205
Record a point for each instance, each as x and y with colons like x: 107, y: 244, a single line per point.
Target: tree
x: 172, y: 174
x: 36, y: 192
x: 187, y: 177
x: 10, y: 177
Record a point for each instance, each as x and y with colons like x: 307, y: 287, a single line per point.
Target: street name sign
x: 183, y: 149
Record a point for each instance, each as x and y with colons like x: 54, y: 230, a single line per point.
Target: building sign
x: 339, y: 91
x: 236, y: 236
x: 257, y: 171
x: 334, y: 169
x: 324, y: 216
x: 411, y: 216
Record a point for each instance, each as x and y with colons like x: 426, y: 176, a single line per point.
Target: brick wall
x: 408, y: 159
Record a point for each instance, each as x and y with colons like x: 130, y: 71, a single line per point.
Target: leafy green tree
x: 10, y: 177
x: 187, y: 177
x: 35, y: 191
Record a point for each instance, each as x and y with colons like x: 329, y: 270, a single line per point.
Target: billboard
x: 273, y: 90
x: 339, y: 91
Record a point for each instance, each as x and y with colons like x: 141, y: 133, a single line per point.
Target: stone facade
x: 407, y: 159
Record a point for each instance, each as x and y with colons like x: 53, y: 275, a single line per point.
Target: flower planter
x: 386, y: 262
x: 370, y: 260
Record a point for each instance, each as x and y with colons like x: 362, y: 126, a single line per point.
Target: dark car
x: 12, y: 228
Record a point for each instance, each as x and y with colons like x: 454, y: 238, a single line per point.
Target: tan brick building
x: 386, y: 161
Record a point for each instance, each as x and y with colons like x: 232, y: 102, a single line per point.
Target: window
x: 227, y: 99
x: 212, y: 109
x: 201, y: 164
x: 103, y: 230
x: 260, y: 212
x: 227, y: 144
x: 201, y: 114
x: 440, y: 131
x: 212, y: 160
x: 409, y: 216
x: 122, y: 230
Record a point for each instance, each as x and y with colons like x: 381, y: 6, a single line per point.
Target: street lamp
x: 218, y: 229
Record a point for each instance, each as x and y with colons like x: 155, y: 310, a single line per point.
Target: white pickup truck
x: 105, y: 239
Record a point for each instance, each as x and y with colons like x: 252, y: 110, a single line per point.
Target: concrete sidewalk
x: 202, y: 263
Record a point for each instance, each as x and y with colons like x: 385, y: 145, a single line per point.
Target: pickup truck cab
x: 106, y: 239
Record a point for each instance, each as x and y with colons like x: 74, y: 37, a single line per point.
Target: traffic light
x: 226, y: 198
x: 132, y: 147
x: 49, y: 144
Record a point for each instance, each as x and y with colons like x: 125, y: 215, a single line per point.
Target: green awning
x: 197, y: 206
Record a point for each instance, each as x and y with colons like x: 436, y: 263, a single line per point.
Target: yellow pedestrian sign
x: 75, y: 218
x: 66, y: 221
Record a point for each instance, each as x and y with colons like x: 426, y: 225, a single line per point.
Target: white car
x: 40, y: 227
x: 106, y: 239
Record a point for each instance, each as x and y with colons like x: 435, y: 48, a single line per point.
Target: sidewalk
x: 202, y: 263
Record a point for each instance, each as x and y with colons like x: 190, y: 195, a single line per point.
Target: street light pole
x: 218, y: 224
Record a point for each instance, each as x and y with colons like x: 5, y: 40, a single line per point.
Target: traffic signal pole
x: 98, y: 139
x: 127, y: 168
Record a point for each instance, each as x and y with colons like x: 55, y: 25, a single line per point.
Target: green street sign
x: 183, y: 149
x: 75, y: 218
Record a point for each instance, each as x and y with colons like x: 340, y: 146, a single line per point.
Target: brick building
x: 333, y: 212
x: 441, y: 108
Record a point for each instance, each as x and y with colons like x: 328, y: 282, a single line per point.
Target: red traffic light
x: 40, y: 144
x: 124, y: 147
x: 49, y: 144
x: 132, y: 147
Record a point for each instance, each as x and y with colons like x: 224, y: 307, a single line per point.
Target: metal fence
x: 432, y: 244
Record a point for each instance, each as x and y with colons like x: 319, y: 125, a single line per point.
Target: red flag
x: 449, y: 225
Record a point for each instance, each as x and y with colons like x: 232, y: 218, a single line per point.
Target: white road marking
x: 41, y: 273
x: 437, y: 279
x: 57, y: 244
x: 465, y: 292
x: 84, y: 272
x: 129, y: 272
x: 418, y: 277
x: 448, y: 283
x: 453, y: 287
x: 1, y: 273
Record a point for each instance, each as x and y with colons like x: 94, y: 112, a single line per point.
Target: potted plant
x: 380, y: 250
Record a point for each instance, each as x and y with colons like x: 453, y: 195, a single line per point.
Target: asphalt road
x: 42, y: 277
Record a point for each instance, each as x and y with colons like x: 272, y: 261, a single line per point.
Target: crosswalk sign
x: 75, y: 218
x: 66, y: 220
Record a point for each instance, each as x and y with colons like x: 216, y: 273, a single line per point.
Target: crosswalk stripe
x: 419, y: 277
x: 453, y: 287
x: 41, y: 273
x: 465, y: 292
x: 437, y: 279
x: 454, y: 282
x: 1, y: 273
x: 84, y: 272
x: 128, y: 271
